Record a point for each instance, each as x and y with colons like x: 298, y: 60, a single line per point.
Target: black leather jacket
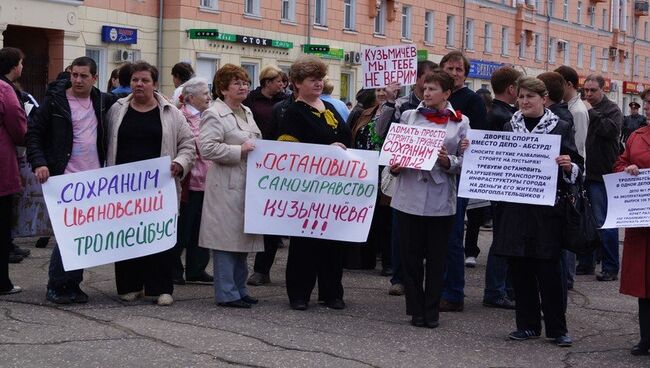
x: 499, y: 115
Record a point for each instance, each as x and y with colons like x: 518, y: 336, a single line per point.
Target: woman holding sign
x: 635, y: 270
x: 228, y: 132
x: 426, y: 201
x: 310, y: 120
x: 142, y: 126
x: 530, y: 236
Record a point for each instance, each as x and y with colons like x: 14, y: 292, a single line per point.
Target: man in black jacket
x: 602, y: 145
x: 555, y: 85
x: 62, y: 137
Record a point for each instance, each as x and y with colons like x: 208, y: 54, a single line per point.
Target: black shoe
x: 640, y: 350
x: 239, y: 303
x: 606, y: 276
x: 178, y: 280
x: 299, y: 305
x: 77, y: 295
x: 503, y: 302
x: 203, y: 278
x: 563, y: 341
x: 249, y: 299
x: 57, y: 296
x: 584, y: 271
x: 20, y: 251
x: 418, y: 321
x: 523, y: 335
x: 433, y: 324
x: 42, y: 242
x: 335, y: 304
x: 14, y: 258
x: 386, y: 271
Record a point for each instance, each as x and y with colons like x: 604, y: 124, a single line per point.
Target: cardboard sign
x: 628, y: 200
x: 411, y: 146
x: 384, y: 65
x: 310, y: 190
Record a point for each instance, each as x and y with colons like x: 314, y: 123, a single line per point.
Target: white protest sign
x: 383, y: 65
x: 310, y: 190
x: 628, y: 200
x: 112, y: 214
x: 510, y: 167
x: 411, y: 146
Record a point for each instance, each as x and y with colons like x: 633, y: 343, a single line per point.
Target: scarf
x: 545, y: 125
x: 440, y: 116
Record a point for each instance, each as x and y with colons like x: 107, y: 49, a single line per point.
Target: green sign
x: 423, y: 55
x: 226, y: 37
x: 315, y: 49
x: 254, y: 41
x: 334, y: 54
x: 203, y: 34
x: 281, y: 44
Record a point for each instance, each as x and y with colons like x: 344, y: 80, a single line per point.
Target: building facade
x: 609, y: 37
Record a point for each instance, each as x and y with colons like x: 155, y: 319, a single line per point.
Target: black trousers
x: 423, y: 239
x: 189, y: 224
x: 534, y: 278
x: 264, y: 260
x: 310, y: 259
x: 5, y: 241
x: 644, y: 322
x: 475, y: 218
x: 153, y: 273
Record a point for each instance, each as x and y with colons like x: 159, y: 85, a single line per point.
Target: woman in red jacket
x: 635, y: 270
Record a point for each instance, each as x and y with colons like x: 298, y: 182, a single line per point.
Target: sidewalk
x: 373, y: 331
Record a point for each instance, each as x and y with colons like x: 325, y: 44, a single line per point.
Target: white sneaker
x: 165, y: 300
x: 132, y: 296
x: 470, y: 262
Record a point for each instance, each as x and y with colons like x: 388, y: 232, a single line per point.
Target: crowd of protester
x: 418, y: 233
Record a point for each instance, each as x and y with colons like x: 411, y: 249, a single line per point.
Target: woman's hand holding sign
x: 564, y: 161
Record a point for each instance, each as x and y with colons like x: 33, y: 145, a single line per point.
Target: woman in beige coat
x: 227, y: 134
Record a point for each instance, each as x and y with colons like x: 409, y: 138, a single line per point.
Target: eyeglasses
x: 240, y: 84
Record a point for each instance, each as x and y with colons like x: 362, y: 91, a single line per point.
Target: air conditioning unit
x: 591, y: 9
x: 612, y: 52
x: 353, y: 57
x: 124, y: 55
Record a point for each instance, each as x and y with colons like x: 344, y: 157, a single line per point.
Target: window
x: 349, y: 11
x: 252, y: 69
x: 605, y: 22
x: 320, y: 13
x: 209, y: 4
x: 579, y: 13
x: 406, y: 22
x: 592, y: 15
x: 206, y: 66
x: 504, y: 41
x: 288, y: 11
x: 380, y: 19
x: 552, y: 50
x: 615, y: 65
x: 551, y: 8
x: 566, y: 52
x: 645, y: 31
x: 605, y: 58
x: 625, y: 107
x: 346, y: 87
x: 487, y: 41
x: 469, y: 34
x: 592, y: 58
x: 99, y: 55
x: 581, y: 56
x: 538, y: 47
x: 522, y: 45
x: 565, y: 10
x: 538, y: 6
x: 636, y: 65
x: 428, y: 27
x: 451, y: 30
x: 646, y: 67
x: 252, y: 7
x: 628, y: 65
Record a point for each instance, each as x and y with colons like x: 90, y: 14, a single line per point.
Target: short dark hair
x: 569, y: 74
x: 426, y: 66
x: 596, y: 78
x: 10, y: 57
x: 456, y: 56
x: 554, y: 85
x: 224, y: 76
x: 444, y: 80
x: 85, y: 61
x: 504, y: 77
x: 143, y: 66
x: 124, y: 74
x: 183, y: 71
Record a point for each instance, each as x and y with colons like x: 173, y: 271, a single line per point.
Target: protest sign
x: 383, y: 65
x: 628, y: 200
x: 411, y: 146
x: 309, y: 190
x: 112, y: 214
x: 510, y: 167
x: 29, y: 211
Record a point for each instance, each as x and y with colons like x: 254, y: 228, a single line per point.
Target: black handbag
x: 580, y: 231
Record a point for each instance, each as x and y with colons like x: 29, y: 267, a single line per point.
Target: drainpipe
x: 309, y: 4
x: 549, y: 47
x: 159, y: 60
x: 463, y: 27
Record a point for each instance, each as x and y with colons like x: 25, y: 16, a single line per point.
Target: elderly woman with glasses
x: 228, y: 134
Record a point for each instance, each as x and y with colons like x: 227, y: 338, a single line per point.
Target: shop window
x: 206, y: 67
x: 253, y: 70
x: 346, y: 89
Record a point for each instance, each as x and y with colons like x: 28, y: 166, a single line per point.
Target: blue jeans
x: 396, y: 260
x: 230, y: 273
x: 59, y: 278
x: 454, y: 285
x: 609, y: 237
